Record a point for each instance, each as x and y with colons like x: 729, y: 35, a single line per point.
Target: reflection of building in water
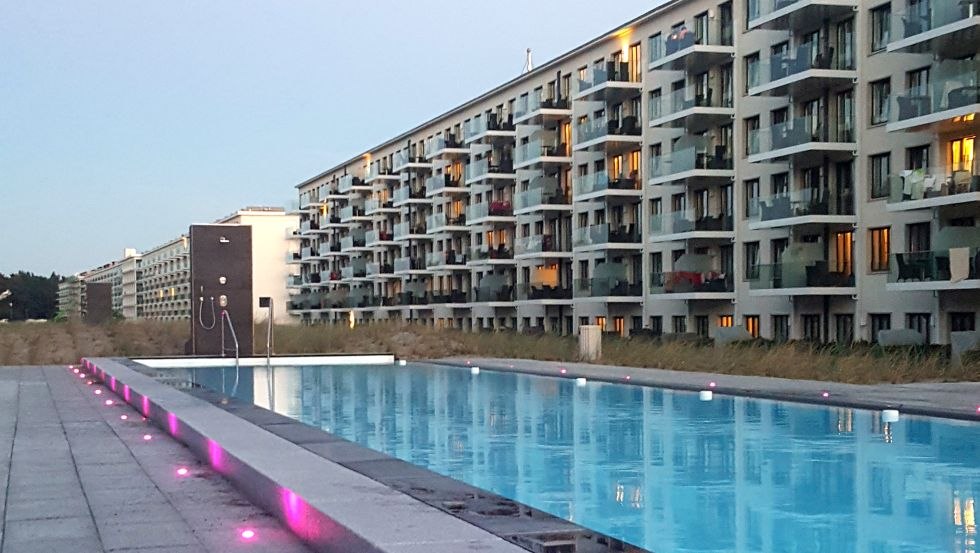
x: 663, y: 469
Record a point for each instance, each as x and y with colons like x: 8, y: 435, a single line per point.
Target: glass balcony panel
x: 802, y: 203
x: 707, y: 32
x: 689, y: 159
x: 934, y: 265
x: 531, y: 292
x: 933, y: 182
x: 799, y: 274
x: 688, y: 282
x: 803, y: 57
x: 607, y: 286
x: 797, y: 132
x: 689, y: 221
x: 926, y: 16
x: 606, y: 234
x: 952, y: 85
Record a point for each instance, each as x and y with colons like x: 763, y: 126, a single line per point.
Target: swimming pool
x: 657, y: 468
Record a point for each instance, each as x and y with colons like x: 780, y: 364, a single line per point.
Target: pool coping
x: 331, y: 492
x: 959, y: 401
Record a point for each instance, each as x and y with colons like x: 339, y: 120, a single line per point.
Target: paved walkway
x: 75, y: 477
x: 953, y: 400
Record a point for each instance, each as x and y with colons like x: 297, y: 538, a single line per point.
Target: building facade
x: 164, y: 282
x: 804, y: 169
x: 71, y: 295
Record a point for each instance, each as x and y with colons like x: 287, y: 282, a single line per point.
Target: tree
x: 32, y: 296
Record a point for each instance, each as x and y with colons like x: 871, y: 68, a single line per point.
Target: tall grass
x: 62, y: 343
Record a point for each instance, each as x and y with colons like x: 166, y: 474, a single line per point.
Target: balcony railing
x: 953, y: 85
x: 503, y: 293
x: 374, y: 204
x: 927, y: 16
x: 404, y: 157
x: 689, y: 221
x: 376, y: 269
x: 933, y: 266
x: 486, y: 123
x: 406, y: 228
x: 797, y: 132
x: 536, y: 149
x: 688, y: 282
x: 437, y: 144
x: 606, y: 287
x: 538, y: 243
x: 690, y: 159
x: 348, y: 182
x: 445, y: 258
x: 758, y: 9
x: 535, y: 197
x: 707, y: 32
x: 374, y: 236
x: 436, y: 183
x: 933, y: 182
x: 610, y: 72
x: 597, y: 182
x: 485, y: 253
x: 531, y: 292
x: 803, y: 203
x: 536, y: 101
x: 441, y: 220
x: 351, y: 211
x: 685, y: 99
x: 483, y: 167
x: 799, y: 274
x: 356, y: 241
x: 375, y: 171
x: 603, y: 126
x: 403, y: 264
x: 602, y: 234
x: 405, y: 193
x: 807, y: 56
x: 294, y: 280
x: 493, y: 208
x: 327, y: 248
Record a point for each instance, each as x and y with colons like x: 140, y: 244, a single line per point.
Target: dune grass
x: 59, y: 343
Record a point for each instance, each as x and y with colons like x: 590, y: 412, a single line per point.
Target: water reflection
x: 657, y: 468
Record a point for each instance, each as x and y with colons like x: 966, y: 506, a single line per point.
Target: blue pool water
x: 657, y: 468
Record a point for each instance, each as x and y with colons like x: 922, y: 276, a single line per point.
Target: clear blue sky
x: 122, y: 122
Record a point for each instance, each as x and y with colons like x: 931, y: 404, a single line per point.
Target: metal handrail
x: 226, y: 317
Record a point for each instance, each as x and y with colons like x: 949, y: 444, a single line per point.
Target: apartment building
x: 164, y: 281
x: 802, y: 168
x: 71, y: 295
x: 121, y: 276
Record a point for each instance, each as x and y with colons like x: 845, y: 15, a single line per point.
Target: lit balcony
x: 410, y: 195
x: 804, y: 70
x: 610, y: 135
x: 379, y: 206
x: 611, y: 82
x: 536, y: 108
x: 604, y: 236
x: 805, y: 140
x: 546, y: 294
x: 709, y: 43
x: 692, y: 165
x: 541, y: 246
x: 951, y: 100
x: 411, y: 231
x: 406, y: 161
x: 482, y: 169
x: 492, y: 212
x: 809, y: 206
x: 937, y: 271
x: 795, y: 14
x: 448, y: 147
x: 441, y: 223
x: 446, y: 261
x: 410, y: 266
x: 444, y: 184
x: 948, y: 29
x: 380, y: 174
x: 544, y: 194
x: 599, y: 185
x: 934, y: 187
x: 350, y: 183
x: 541, y: 153
x: 801, y: 278
x: 692, y: 285
x: 489, y: 126
x: 691, y: 109
x: 486, y: 254
x: 690, y: 225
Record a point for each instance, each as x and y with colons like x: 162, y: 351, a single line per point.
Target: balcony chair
x: 629, y: 126
x: 910, y: 268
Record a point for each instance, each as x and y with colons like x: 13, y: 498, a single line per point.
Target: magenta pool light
x: 147, y: 437
x: 247, y: 534
x: 183, y: 471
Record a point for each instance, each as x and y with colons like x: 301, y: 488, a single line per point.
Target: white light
x: 402, y: 362
x: 706, y: 395
x: 581, y: 382
x: 889, y: 415
x: 474, y: 370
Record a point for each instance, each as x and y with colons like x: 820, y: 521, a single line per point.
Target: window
x: 880, y: 241
x: 726, y: 321
x: 918, y: 237
x: 752, y: 71
x: 751, y: 198
x: 918, y: 322
x: 962, y: 155
x: 881, y: 27
x: 880, y: 95
x: 917, y: 157
x: 701, y: 325
x: 779, y: 184
x: 811, y: 327
x: 752, y: 135
x: 879, y: 322
x: 880, y: 168
x: 918, y: 81
x: 752, y: 325
x: 845, y: 328
x: 657, y: 325
x: 962, y: 322
x: 844, y: 244
x: 680, y: 324
x: 727, y: 79
x: 780, y: 328
x: 751, y: 260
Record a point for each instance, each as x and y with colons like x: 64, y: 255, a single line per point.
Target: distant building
x: 70, y: 295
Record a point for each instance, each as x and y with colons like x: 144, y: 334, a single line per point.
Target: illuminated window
x: 962, y: 154
x: 880, y: 242
x: 726, y: 321
x: 601, y: 322
x: 752, y: 325
x: 844, y: 242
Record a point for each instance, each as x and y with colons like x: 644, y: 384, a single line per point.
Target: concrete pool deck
x: 76, y: 477
x: 958, y: 400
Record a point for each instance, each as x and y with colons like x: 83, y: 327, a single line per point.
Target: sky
x: 122, y: 122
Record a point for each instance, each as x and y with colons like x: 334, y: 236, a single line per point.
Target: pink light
x: 98, y: 392
x: 76, y: 371
x: 978, y: 409
x: 563, y: 371
x: 172, y: 423
x: 88, y: 382
x: 825, y: 395
x: 216, y: 455
x: 182, y: 471
x: 124, y: 417
x: 628, y: 377
x: 108, y: 402
x: 112, y: 383
x: 248, y: 534
x: 81, y: 375
x: 146, y: 406
x: 126, y: 394
x: 147, y: 437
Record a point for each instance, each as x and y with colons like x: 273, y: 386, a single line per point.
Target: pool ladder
x: 226, y: 318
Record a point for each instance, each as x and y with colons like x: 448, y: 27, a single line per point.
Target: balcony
x: 692, y: 109
x: 350, y: 183
x: 541, y: 246
x: 445, y: 146
x: 354, y: 213
x: 411, y: 231
x: 357, y: 269
x: 502, y: 254
x: 379, y: 206
x: 307, y: 253
x: 933, y: 187
x: 603, y: 236
x: 611, y: 82
x: 410, y: 195
x: 379, y: 239
x: 325, y: 277
x: 494, y: 293
x: 792, y: 14
x: 535, y: 108
x: 408, y: 265
x: 947, y: 29
x: 608, y: 289
x: 545, y: 194
x: 538, y: 152
x: 709, y: 43
x: 692, y: 165
x: 379, y: 270
x: 937, y: 271
x: 690, y: 225
x: 330, y: 192
x: 950, y: 101
x: 379, y: 174
x: 610, y: 135
x: 809, y: 206
x: 544, y: 293
x: 440, y: 223
x: 291, y: 234
x: 801, y: 278
x: 692, y: 285
x: 599, y: 185
x: 354, y: 242
x: 805, y: 140
x: 407, y: 161
x: 328, y: 249
x: 456, y: 297
x: 801, y: 72
x: 444, y: 184
x: 294, y: 281
x: 446, y: 261
x: 293, y: 258
x: 492, y: 212
x: 484, y: 170
x: 490, y: 126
